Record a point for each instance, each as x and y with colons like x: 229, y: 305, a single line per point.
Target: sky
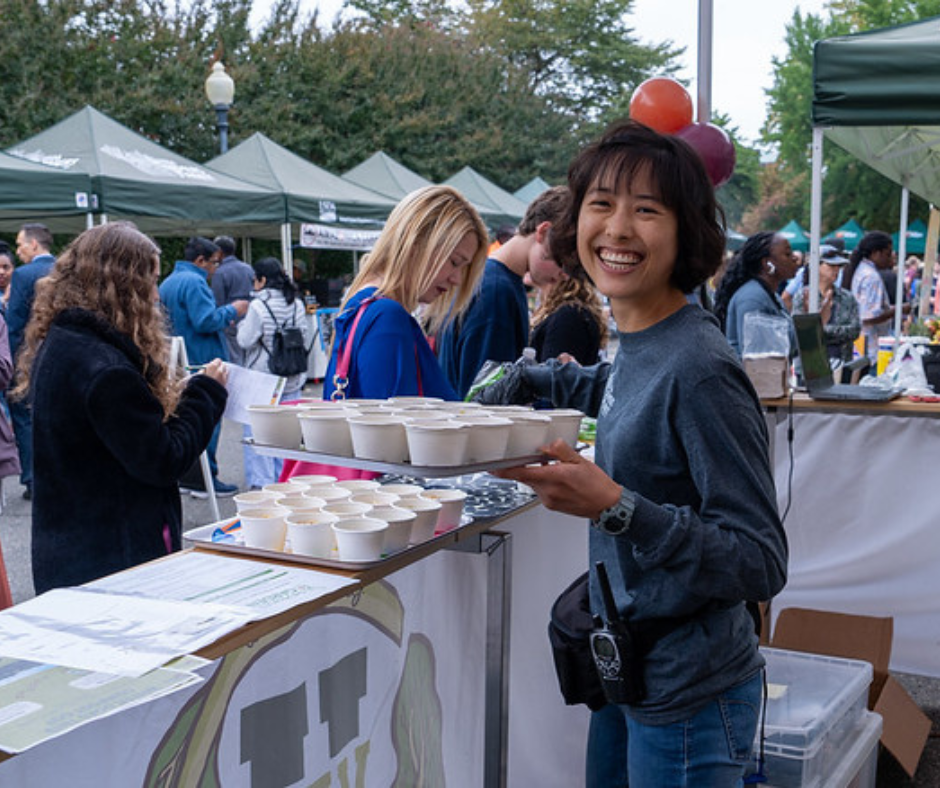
x: 746, y: 35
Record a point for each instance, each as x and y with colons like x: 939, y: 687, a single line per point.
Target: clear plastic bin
x: 859, y: 767
x: 816, y: 705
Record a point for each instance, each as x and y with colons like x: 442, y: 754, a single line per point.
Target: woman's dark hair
x: 273, y: 272
x: 625, y: 151
x: 871, y: 242
x: 747, y: 263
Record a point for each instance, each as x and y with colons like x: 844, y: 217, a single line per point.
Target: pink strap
x: 345, y: 352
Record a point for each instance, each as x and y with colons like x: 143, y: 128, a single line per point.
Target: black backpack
x: 287, y: 355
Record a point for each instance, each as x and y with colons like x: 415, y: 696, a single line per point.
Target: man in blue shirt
x: 196, y: 318
x: 496, y: 326
x: 33, y: 247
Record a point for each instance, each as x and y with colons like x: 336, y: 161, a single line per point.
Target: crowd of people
x: 679, y: 497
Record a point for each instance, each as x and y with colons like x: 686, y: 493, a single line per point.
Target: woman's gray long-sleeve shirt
x: 679, y: 424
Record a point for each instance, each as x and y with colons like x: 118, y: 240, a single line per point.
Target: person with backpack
x: 276, y: 337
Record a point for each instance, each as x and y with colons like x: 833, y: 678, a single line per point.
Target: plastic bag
x: 906, y: 369
x: 765, y: 351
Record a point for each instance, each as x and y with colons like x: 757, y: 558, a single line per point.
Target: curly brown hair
x: 111, y: 271
x: 577, y: 291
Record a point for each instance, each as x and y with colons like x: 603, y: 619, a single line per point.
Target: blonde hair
x: 575, y: 291
x: 419, y: 237
x: 109, y: 270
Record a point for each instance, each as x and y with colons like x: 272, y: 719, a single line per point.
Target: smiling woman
x: 681, y: 498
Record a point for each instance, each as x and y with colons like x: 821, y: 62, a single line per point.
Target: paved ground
x: 14, y: 537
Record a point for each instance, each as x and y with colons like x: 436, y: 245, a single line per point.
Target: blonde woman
x: 430, y: 255
x: 112, y: 429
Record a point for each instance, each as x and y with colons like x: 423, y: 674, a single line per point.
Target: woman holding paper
x: 112, y: 429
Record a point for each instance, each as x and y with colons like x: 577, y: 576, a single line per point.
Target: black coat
x: 105, y: 496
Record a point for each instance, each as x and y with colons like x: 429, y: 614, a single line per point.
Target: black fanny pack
x: 569, y: 632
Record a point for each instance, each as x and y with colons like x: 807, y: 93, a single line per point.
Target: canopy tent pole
x: 287, y: 253
x: 902, y: 256
x: 246, y: 249
x: 705, y: 17
x: 815, y: 219
x: 89, y: 220
x: 930, y: 257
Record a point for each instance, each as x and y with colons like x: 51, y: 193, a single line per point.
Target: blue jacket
x: 494, y: 328
x: 194, y: 316
x: 22, y: 292
x: 390, y: 353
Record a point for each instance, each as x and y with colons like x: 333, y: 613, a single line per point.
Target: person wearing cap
x: 838, y: 308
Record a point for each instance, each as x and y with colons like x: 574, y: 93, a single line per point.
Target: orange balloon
x: 662, y: 104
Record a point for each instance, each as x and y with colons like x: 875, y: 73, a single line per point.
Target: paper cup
x: 360, y: 539
x: 330, y: 493
x: 528, y: 434
x: 310, y: 533
x: 301, y: 503
x: 375, y: 497
x: 566, y: 425
x: 256, y: 499
x: 326, y: 432
x: 489, y: 437
x: 402, y: 490
x: 346, y: 510
x: 358, y: 485
x: 265, y: 528
x: 380, y: 438
x: 451, y: 501
x: 314, y: 479
x: 437, y: 443
x: 275, y: 425
x: 400, y: 522
x: 426, y: 512
x: 286, y: 488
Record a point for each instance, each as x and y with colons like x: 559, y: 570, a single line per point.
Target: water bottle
x: 528, y: 358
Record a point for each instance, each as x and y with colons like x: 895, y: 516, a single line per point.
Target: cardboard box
x: 906, y: 727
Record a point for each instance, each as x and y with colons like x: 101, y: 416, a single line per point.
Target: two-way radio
x: 615, y: 655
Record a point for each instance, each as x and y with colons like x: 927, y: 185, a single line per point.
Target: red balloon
x: 662, y: 104
x: 715, y: 148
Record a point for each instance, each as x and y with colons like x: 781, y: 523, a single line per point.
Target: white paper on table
x: 264, y: 588
x: 112, y: 633
x: 40, y: 702
x: 250, y: 387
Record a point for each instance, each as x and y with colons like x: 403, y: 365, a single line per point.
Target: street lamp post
x: 220, y: 89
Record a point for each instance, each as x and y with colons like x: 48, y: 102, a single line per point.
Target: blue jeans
x: 709, y: 750
x: 22, y: 418
x: 606, y: 763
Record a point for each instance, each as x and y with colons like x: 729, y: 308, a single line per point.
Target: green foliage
x: 852, y: 189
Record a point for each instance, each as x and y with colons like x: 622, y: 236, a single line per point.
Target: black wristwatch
x: 615, y: 520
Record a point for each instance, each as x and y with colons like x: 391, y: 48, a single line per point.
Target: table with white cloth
x: 408, y: 680
x: 859, y: 484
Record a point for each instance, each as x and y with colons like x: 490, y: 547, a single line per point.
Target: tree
x: 851, y: 188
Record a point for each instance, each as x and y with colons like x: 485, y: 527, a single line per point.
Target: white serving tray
x: 406, y: 468
x: 205, y: 536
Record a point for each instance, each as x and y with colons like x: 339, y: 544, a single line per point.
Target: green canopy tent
x: 874, y: 94
x: 916, y: 238
x: 382, y: 174
x: 531, y: 190
x: 796, y: 235
x: 31, y: 192
x: 162, y: 192
x: 495, y: 204
x: 329, y: 212
x: 850, y: 233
